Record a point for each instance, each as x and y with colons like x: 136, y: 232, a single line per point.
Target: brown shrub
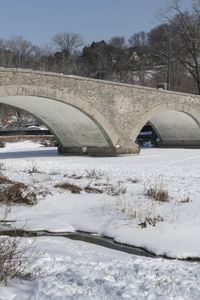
x: 5, y: 180
x: 16, y: 261
x: 90, y: 189
x: 116, y: 190
x: 151, y: 221
x: 75, y: 189
x: 94, y: 174
x: 158, y: 193
x: 74, y: 176
x: 17, y: 193
x: 32, y: 170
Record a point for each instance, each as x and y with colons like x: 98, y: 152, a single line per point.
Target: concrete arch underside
x: 75, y: 131
x: 175, y: 128
x: 174, y: 125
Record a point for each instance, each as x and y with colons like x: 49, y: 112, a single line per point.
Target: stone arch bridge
x: 100, y: 117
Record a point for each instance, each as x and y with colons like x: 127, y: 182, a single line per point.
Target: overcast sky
x: 95, y: 20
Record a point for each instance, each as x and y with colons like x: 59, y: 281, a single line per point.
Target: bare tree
x: 67, y: 42
x: 118, y: 42
x: 20, y: 50
x: 119, y: 58
x: 3, y: 44
x: 185, y: 37
x: 158, y: 40
x: 38, y: 58
x: 139, y: 43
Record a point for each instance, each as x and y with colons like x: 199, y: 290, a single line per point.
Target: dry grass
x: 5, y: 180
x: 2, y: 144
x: 12, y: 192
x: 151, y: 221
x: 17, y: 193
x: 116, y: 190
x: 185, y: 199
x: 32, y: 170
x: 94, y: 190
x: 157, y: 192
x: 74, y: 176
x: 133, y: 210
x: 94, y: 174
x: 15, y: 260
x: 132, y: 180
x: 2, y: 168
x: 73, y: 188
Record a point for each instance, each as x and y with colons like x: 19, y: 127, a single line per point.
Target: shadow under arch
x: 75, y: 130
x: 174, y: 125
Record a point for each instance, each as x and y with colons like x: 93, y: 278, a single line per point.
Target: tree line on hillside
x: 168, y: 53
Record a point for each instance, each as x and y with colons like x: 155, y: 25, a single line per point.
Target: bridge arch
x: 78, y: 126
x: 174, y: 124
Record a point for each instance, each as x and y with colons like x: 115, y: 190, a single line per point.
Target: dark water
x: 85, y: 237
x: 92, y: 239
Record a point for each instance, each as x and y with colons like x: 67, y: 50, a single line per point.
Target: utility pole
x: 169, y: 61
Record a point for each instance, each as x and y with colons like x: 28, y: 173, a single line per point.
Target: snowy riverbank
x: 171, y: 227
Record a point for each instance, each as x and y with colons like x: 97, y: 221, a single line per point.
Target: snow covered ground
x: 81, y: 271
x: 76, y: 270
